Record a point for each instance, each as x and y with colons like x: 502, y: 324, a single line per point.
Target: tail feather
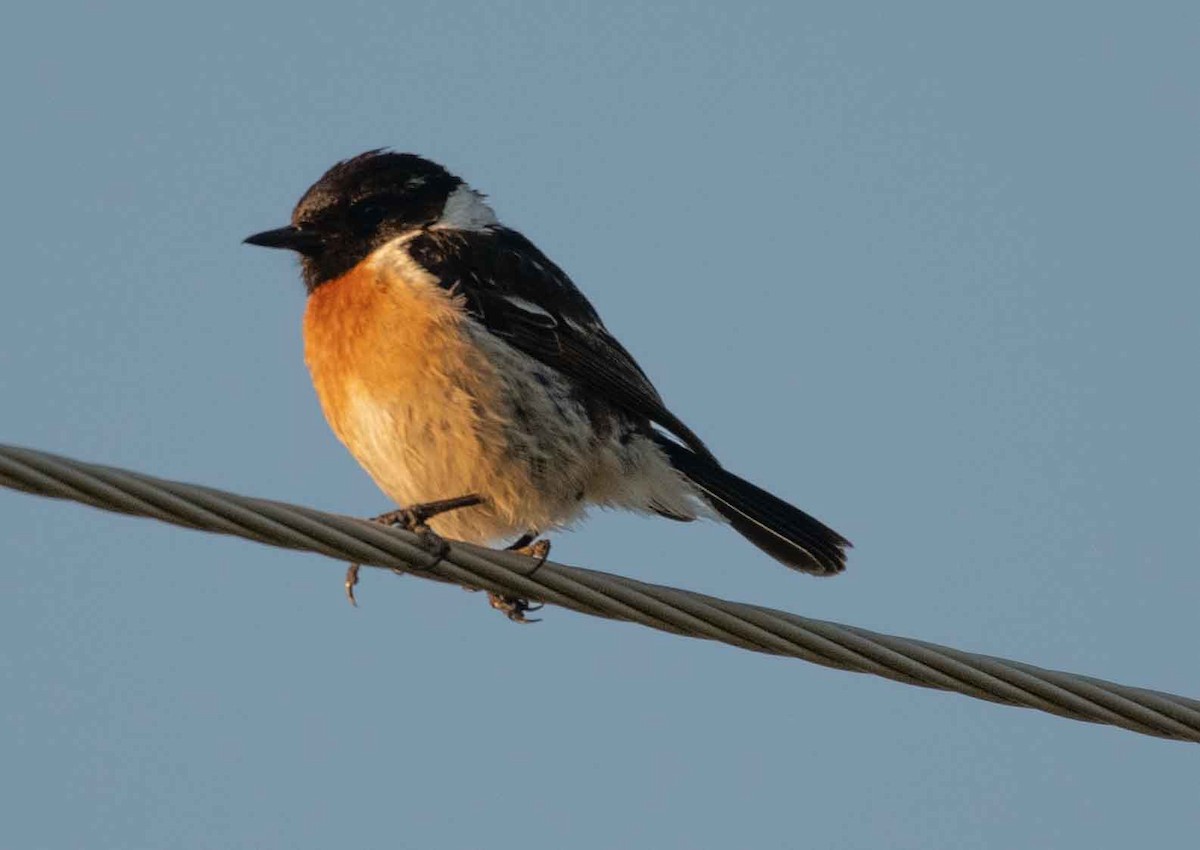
x: 784, y: 532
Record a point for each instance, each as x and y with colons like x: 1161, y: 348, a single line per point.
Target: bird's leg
x: 514, y: 607
x: 414, y: 519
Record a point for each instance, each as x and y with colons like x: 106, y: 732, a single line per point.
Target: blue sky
x: 928, y: 271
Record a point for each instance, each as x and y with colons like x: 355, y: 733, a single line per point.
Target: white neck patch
x: 465, y: 209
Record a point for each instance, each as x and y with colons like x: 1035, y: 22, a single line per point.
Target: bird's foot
x: 537, y: 549
x: 414, y: 519
x: 513, y: 607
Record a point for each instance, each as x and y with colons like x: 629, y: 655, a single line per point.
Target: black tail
x: 785, y: 533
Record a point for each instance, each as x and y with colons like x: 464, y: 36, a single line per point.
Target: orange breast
x: 415, y: 402
x: 368, y: 337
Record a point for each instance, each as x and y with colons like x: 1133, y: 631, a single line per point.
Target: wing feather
x: 515, y: 291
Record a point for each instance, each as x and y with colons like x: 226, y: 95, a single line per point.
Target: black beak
x: 293, y: 238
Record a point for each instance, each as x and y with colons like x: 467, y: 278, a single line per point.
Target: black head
x: 357, y: 206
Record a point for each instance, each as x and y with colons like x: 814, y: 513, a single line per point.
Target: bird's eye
x: 367, y: 215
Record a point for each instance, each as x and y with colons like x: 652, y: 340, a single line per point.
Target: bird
x: 479, y: 388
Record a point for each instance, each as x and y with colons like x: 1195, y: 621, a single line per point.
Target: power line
x: 601, y: 594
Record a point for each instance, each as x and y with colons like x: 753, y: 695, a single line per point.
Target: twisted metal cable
x: 668, y: 609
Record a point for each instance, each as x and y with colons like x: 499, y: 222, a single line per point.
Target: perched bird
x: 477, y: 385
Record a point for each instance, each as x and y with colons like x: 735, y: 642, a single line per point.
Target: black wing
x: 521, y: 296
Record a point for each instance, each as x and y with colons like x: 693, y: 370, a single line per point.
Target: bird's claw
x: 538, y: 550
x: 351, y: 581
x: 513, y: 607
x: 413, y: 520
